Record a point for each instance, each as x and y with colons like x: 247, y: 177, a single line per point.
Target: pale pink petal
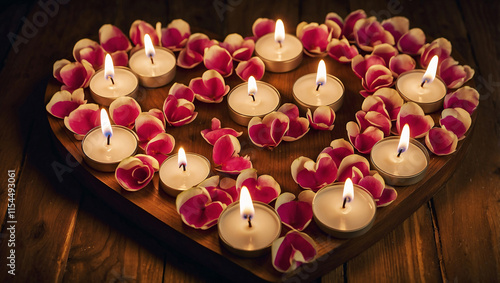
x: 369, y: 33
x: 134, y: 174
x: 215, y: 132
x: 189, y: 59
x: 332, y: 16
x: 124, y: 110
x: 299, y: 126
x: 76, y: 75
x: 218, y: 59
x: 225, y: 191
x: 334, y: 29
x: 392, y: 101
x: 253, y: 67
x: 262, y: 188
x: 440, y: 141
x: 56, y: 68
x: 178, y: 112
x: 83, y: 119
x: 139, y: 29
x: 262, y: 26
x: 388, y: 196
x: 89, y: 50
x: 322, y: 118
x: 294, y: 214
x: 160, y: 146
x: 401, y: 63
x: 158, y: 114
x: 413, y: 115
x: 239, y: 48
x: 120, y: 58
x: 175, y: 35
x: 314, y: 37
x: 182, y: 91
x: 363, y: 141
x: 440, y: 47
x: 385, y: 51
x: 361, y: 64
x: 379, y: 121
x: 350, y: 21
x: 149, y: 161
x: 341, y: 50
x: 456, y: 120
x: 63, y: 102
x: 197, y: 209
x: 147, y: 127
x: 374, y: 184
x: 293, y: 250
x: 412, y: 42
x: 351, y: 162
x: 397, y: 26
x: 338, y: 150
x: 226, y: 158
x: 465, y: 97
x: 376, y: 77
x: 375, y: 103
x: 314, y: 175
x: 454, y: 75
x: 268, y: 132
x: 198, y: 42
x: 210, y: 88
x: 112, y: 39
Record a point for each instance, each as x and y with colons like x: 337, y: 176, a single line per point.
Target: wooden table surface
x: 64, y: 233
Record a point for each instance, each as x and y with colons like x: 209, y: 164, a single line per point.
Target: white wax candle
x: 266, y: 100
x: 140, y: 63
x: 409, y: 85
x: 236, y: 232
x: 123, y: 144
x: 357, y: 214
x: 411, y: 162
x: 197, y: 170
x: 125, y: 83
x: 268, y: 49
x: 304, y: 90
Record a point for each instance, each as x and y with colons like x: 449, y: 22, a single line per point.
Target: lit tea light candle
x: 183, y: 171
x: 422, y: 87
x: 105, y: 146
x: 252, y: 99
x: 313, y: 90
x: 344, y: 210
x: 248, y: 228
x: 112, y: 82
x: 400, y: 161
x: 155, y: 67
x: 280, y: 52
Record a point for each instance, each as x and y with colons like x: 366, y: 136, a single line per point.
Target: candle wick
x: 183, y: 167
x: 253, y: 96
x: 111, y: 78
x: 400, y: 151
x: 317, y: 87
x: 152, y: 61
x: 345, y: 200
x: 249, y: 221
x: 280, y: 44
x: 109, y: 138
x: 423, y: 82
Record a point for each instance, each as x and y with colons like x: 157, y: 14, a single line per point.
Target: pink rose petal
x: 466, y: 98
x: 385, y: 51
x: 440, y: 141
x: 210, y: 88
x: 401, y: 63
x: 160, y: 146
x: 341, y: 50
x: 322, y: 118
x: 412, y: 42
x: 189, y: 59
x: 197, y: 209
x: 239, y: 48
x: 338, y: 150
x: 253, y: 67
x: 299, y: 126
x: 135, y: 172
x: 89, y: 50
x: 392, y: 101
x: 139, y: 29
x: 388, y: 196
x: 414, y: 116
x: 112, y: 39
x: 349, y: 164
x: 124, y: 110
x: 178, y: 112
x: 334, y: 29
x: 120, y: 58
x: 361, y: 64
x: 262, y: 26
x: 314, y: 175
x: 332, y: 16
x: 75, y: 75
x: 369, y: 32
x: 375, y: 119
x: 376, y: 77
x: 295, y: 214
x: 262, y: 188
x: 175, y: 35
x: 224, y: 190
x: 218, y: 59
x: 56, y: 68
x: 314, y: 37
x: 63, y: 102
x: 454, y: 75
x: 216, y: 131
x: 147, y: 127
x: 440, y: 47
x: 456, y: 120
x: 292, y: 251
x: 226, y: 155
x: 373, y: 183
x: 375, y: 103
x: 397, y: 26
x: 350, y: 21
x: 268, y: 132
x: 182, y: 91
x: 363, y: 141
x: 83, y: 119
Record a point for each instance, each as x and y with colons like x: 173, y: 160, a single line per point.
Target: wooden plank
x: 106, y: 247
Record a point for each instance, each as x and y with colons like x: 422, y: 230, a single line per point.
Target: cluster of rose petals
x: 216, y: 131
x: 114, y: 42
x: 375, y: 185
x: 262, y: 26
x: 210, y: 87
x: 73, y: 75
x: 139, y: 29
x: 385, y: 51
x: 453, y: 74
x: 413, y: 115
x: 360, y: 64
x: 334, y: 17
x: 353, y: 166
x: 240, y: 49
x: 135, y: 172
x: 262, y: 188
x: 296, y: 214
x: 63, y: 102
x: 223, y: 190
x: 175, y: 35
x: 293, y: 250
x: 178, y: 107
x: 314, y: 37
x: 350, y: 21
x: 314, y: 175
x: 363, y: 140
x: 440, y: 47
x: 412, y: 42
x: 218, y: 59
x: 441, y: 141
x: 182, y: 91
x: 225, y: 155
x: 197, y: 209
x: 322, y: 118
x: 87, y: 49
x: 397, y: 26
x: 368, y: 33
x: 268, y: 132
x: 124, y: 110
x: 254, y: 67
x: 376, y: 77
x: 456, y: 120
x: 298, y: 127
x: 401, y: 63
x: 338, y: 150
x: 158, y: 114
x: 386, y: 101
x: 160, y: 146
x: 192, y: 55
x: 147, y: 127
x: 341, y: 50
x: 83, y: 119
x: 373, y: 119
x: 466, y: 98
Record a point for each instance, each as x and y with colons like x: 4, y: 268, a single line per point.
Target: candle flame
x: 404, y: 140
x: 321, y: 74
x: 246, y: 206
x: 279, y: 31
x: 252, y: 86
x: 106, y: 129
x: 181, y: 158
x: 148, y: 46
x: 348, y: 194
x: 430, y: 73
x: 109, y: 69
